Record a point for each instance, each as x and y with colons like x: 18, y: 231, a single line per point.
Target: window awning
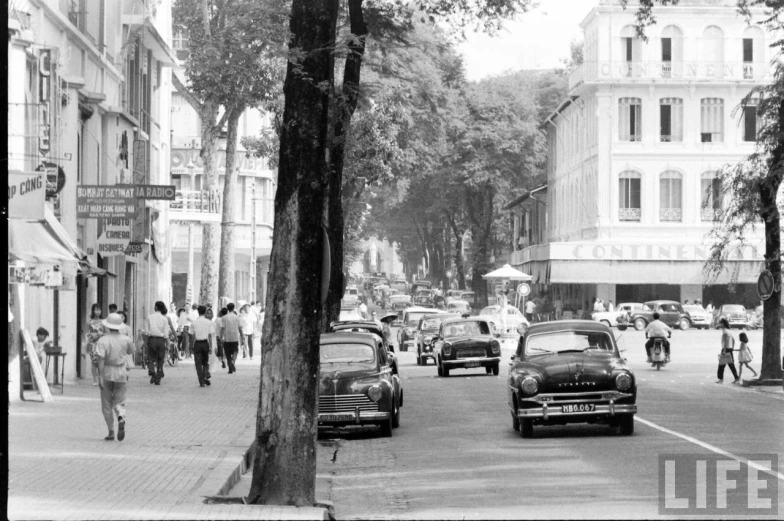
x: 44, y: 242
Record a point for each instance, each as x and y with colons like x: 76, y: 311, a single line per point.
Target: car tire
x: 515, y: 423
x: 488, y: 369
x: 440, y: 369
x: 445, y: 372
x: 684, y: 324
x: 626, y: 425
x: 396, y: 416
x: 386, y: 428
x: 496, y: 370
x: 419, y: 358
x: 526, y: 428
x: 639, y: 324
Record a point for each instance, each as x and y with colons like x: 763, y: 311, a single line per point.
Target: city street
x: 456, y: 456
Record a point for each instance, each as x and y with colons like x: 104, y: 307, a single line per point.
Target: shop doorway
x: 646, y: 292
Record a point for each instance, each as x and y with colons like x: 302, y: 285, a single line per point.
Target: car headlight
x: 529, y: 385
x: 375, y: 393
x: 496, y: 347
x: 623, y: 382
x: 447, y: 349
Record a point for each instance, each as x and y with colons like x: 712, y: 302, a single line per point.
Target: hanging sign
x: 115, y: 238
x: 102, y: 201
x: 26, y: 195
x: 160, y: 192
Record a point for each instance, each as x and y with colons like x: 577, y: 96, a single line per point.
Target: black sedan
x: 465, y: 343
x: 356, y: 384
x: 367, y: 326
x: 426, y: 332
x: 570, y: 372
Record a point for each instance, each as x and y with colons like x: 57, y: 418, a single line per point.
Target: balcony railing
x: 670, y: 214
x: 607, y: 71
x: 196, y: 201
x: 629, y: 214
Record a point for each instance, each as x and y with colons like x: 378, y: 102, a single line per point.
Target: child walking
x: 744, y: 355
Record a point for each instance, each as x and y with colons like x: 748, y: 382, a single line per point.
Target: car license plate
x: 472, y: 364
x: 336, y: 417
x: 579, y: 407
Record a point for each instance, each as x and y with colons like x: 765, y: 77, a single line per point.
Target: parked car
x: 425, y: 332
x: 423, y: 297
x: 736, y: 315
x: 465, y: 343
x: 622, y: 312
x: 354, y: 387
x: 670, y: 312
x: 411, y: 317
x: 700, y: 318
x: 371, y: 327
x: 458, y: 306
x: 514, y: 318
x: 570, y: 371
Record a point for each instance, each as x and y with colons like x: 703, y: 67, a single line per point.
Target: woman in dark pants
x: 725, y: 358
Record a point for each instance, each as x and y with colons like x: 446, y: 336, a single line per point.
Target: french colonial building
x: 633, y: 154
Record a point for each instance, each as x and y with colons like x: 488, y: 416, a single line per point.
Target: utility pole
x: 253, y: 242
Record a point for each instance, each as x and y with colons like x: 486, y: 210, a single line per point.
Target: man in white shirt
x: 657, y: 329
x: 203, y: 329
x: 530, y: 308
x: 157, y: 327
x: 610, y: 306
x: 230, y: 332
x: 193, y: 315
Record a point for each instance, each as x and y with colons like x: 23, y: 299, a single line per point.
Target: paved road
x: 456, y: 455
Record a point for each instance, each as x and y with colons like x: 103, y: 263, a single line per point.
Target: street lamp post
x: 253, y: 242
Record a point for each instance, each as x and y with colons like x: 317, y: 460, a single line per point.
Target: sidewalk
x: 182, y: 444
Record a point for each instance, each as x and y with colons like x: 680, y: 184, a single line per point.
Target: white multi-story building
x: 633, y: 154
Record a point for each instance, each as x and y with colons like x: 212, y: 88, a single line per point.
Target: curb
x: 245, y: 464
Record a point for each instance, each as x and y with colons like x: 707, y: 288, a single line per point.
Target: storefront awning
x: 643, y: 272
x: 44, y: 242
x: 88, y: 270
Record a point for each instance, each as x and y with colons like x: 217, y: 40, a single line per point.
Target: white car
x: 350, y: 313
x: 610, y: 318
x: 700, y: 319
x: 514, y: 317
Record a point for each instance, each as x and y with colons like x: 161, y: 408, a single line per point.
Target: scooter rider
x: 654, y: 330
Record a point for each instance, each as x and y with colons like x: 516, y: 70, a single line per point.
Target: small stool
x: 58, y: 363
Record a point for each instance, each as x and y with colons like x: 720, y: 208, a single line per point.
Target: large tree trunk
x: 210, y: 241
x: 771, y: 319
x: 226, y: 284
x: 344, y: 110
x: 480, y: 211
x: 284, y: 468
x: 458, y: 252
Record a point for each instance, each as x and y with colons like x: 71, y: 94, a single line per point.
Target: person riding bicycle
x: 654, y: 330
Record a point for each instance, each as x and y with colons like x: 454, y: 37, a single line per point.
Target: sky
x: 538, y: 39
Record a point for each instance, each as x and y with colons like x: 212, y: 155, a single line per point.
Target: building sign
x: 26, y: 195
x: 115, y: 238
x: 161, y: 192
x: 102, y: 201
x: 134, y: 248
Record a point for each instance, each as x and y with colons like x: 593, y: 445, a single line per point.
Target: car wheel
x: 684, y: 324
x: 526, y: 428
x: 627, y: 425
x: 515, y: 422
x: 496, y: 370
x: 386, y: 428
x: 640, y: 324
x: 440, y: 369
x: 396, y: 417
x: 419, y: 358
x: 488, y: 369
x: 401, y: 399
x: 445, y: 371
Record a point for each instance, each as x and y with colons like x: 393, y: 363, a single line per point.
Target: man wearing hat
x: 111, y: 350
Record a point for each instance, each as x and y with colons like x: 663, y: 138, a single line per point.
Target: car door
x: 438, y: 341
x: 668, y: 314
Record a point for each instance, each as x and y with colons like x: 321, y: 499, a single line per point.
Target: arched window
x: 710, y: 196
x: 630, y: 119
x: 629, y: 191
x: 631, y: 50
x: 671, y: 50
x: 753, y: 51
x: 713, y: 51
x: 671, y: 196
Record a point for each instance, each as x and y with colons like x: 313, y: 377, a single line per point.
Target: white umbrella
x: 507, y: 272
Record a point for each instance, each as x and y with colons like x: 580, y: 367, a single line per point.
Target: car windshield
x: 423, y: 293
x: 730, y: 308
x: 568, y: 341
x: 412, y: 319
x: 468, y: 328
x: 331, y: 355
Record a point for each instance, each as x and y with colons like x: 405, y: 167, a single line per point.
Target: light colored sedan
x: 700, y: 318
x: 514, y: 317
x: 610, y: 318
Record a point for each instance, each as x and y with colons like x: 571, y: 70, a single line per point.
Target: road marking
x: 777, y: 475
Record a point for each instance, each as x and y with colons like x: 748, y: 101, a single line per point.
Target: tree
x: 225, y: 42
x: 284, y: 468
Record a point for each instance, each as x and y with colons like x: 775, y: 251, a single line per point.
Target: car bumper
x: 548, y: 411
x: 471, y: 362
x: 427, y: 354
x: 356, y: 418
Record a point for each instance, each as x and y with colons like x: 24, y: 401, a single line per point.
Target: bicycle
x: 173, y: 353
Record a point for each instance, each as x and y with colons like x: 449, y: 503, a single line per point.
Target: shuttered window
x: 630, y: 119
x: 712, y: 120
x: 670, y: 196
x: 671, y: 120
x: 629, y: 188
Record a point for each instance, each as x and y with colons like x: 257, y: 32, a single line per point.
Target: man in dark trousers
x: 203, y: 329
x: 157, y: 327
x: 230, y: 331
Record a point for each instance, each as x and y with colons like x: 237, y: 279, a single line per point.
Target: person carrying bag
x: 725, y: 356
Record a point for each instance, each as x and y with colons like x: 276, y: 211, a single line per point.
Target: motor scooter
x: 658, y: 359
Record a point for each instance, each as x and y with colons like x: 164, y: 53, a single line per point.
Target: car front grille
x: 345, y: 403
x: 470, y: 353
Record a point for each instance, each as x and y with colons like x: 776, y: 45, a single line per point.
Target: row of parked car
x: 638, y: 315
x: 561, y: 372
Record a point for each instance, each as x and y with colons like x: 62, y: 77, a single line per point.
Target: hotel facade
x: 633, y: 154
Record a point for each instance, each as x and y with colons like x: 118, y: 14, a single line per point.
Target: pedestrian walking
x: 744, y: 355
x: 530, y: 308
x: 725, y: 357
x: 558, y: 308
x: 183, y: 332
x: 111, y: 351
x: 230, y: 331
x: 213, y: 360
x: 95, y: 331
x: 219, y: 337
x: 193, y: 315
x: 247, y: 324
x: 202, y: 346
x: 158, y: 328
